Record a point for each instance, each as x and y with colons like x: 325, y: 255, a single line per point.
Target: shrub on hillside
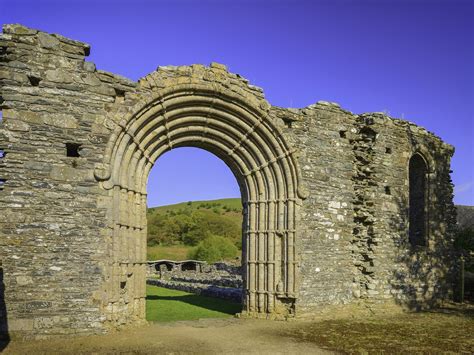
x: 214, y: 248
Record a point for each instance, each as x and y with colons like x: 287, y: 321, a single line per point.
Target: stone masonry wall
x: 326, y: 223
x: 414, y: 276
x: 72, y: 266
x: 353, y: 228
x: 51, y: 243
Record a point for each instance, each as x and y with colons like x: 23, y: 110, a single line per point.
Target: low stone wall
x: 228, y: 293
x: 228, y: 268
x: 227, y: 281
x: 221, y: 280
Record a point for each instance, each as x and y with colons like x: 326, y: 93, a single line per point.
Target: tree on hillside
x: 214, y: 248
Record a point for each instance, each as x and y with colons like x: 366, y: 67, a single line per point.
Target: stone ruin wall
x: 55, y: 246
x: 218, y: 280
x: 354, y: 225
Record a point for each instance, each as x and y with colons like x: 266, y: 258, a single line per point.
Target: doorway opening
x: 194, y: 238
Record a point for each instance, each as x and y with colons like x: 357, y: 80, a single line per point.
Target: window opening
x: 417, y: 200
x: 34, y: 80
x: 119, y: 95
x: 72, y: 150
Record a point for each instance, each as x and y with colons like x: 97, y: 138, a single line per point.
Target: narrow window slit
x: 388, y: 150
x: 387, y: 190
x: 72, y: 150
x: 342, y: 134
x: 417, y: 200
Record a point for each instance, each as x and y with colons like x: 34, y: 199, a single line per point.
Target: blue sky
x: 413, y: 59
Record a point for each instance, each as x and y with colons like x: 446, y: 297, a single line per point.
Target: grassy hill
x: 174, y: 230
x: 232, y: 203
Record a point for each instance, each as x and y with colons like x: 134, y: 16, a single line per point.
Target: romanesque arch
x: 244, y: 137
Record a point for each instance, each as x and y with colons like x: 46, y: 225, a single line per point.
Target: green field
x: 164, y: 305
x: 170, y: 252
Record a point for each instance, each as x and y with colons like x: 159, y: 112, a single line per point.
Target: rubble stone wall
x: 325, y: 191
x: 220, y: 280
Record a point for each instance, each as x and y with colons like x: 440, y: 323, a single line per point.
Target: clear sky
x: 413, y: 59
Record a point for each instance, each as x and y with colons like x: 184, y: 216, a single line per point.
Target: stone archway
x: 242, y: 135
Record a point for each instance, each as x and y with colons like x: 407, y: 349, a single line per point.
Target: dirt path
x: 210, y: 336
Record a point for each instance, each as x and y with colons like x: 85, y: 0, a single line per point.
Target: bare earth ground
x: 210, y: 336
x: 344, y: 330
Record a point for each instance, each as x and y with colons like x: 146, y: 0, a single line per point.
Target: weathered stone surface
x: 47, y: 41
x: 325, y: 192
x: 89, y: 66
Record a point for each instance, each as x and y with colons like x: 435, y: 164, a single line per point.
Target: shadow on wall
x: 426, y: 274
x: 4, y: 335
x: 415, y: 226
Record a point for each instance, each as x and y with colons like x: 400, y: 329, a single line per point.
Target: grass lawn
x: 164, y: 305
x: 172, y: 252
